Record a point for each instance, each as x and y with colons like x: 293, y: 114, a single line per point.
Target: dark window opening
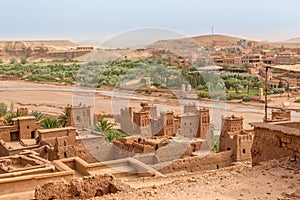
x: 228, y: 149
x: 218, y: 167
x: 27, y: 127
x: 244, y: 150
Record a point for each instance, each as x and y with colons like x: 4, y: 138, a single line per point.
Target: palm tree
x: 103, y: 125
x: 10, y: 116
x: 38, y: 116
x: 3, y: 109
x: 63, y: 118
x: 50, y: 122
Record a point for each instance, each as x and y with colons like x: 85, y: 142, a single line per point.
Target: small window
x: 228, y: 149
x: 27, y: 127
x: 244, y: 150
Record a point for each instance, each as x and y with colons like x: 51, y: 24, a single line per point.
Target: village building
x: 234, y: 138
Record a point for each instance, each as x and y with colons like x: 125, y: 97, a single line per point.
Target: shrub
x: 13, y: 60
x: 297, y: 100
x: 246, y: 98
x: 204, y: 95
x: 278, y: 90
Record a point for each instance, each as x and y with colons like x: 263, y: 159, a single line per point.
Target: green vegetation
x: 63, y: 118
x: 10, y: 116
x: 106, y: 128
x: 50, y: 122
x: 39, y: 117
x: 297, y: 100
x: 13, y: 61
x: 112, y: 74
x: 3, y: 109
x: 23, y: 60
x: 278, y: 90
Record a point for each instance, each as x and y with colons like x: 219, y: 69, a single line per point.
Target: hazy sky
x: 100, y: 19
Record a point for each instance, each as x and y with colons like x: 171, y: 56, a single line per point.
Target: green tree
x: 103, y: 125
x: 246, y: 65
x: 11, y: 107
x: 1, y: 61
x: 63, y: 118
x: 13, y: 60
x: 50, y: 122
x: 280, y: 84
x: 23, y: 60
x: 38, y: 116
x: 10, y: 116
x: 3, y: 109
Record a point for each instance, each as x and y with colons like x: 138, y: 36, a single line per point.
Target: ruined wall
x: 29, y: 182
x: 274, y: 142
x: 85, y: 188
x: 210, y: 162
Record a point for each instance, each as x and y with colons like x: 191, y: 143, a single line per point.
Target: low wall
x: 30, y: 182
x: 210, y: 162
x: 275, y: 141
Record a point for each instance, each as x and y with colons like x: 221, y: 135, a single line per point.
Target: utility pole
x: 212, y: 30
x: 266, y: 98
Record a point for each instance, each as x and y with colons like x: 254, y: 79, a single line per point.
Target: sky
x: 78, y: 20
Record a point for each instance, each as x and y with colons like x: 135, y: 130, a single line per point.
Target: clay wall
x: 210, y: 162
x: 242, y: 147
x: 189, y: 124
x: 68, y: 133
x: 126, y: 120
x: 5, y: 133
x: 274, y: 142
x: 27, y: 127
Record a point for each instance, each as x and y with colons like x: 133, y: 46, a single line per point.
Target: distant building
x: 253, y: 59
x: 286, y: 59
x: 220, y: 43
x: 85, y: 48
x: 145, y: 122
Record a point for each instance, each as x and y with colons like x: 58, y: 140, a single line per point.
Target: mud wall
x: 274, y: 142
x: 210, y: 162
x: 88, y: 187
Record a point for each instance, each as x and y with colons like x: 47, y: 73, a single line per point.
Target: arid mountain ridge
x: 35, y: 50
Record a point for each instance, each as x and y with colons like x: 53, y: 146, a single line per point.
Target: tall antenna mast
x: 212, y: 30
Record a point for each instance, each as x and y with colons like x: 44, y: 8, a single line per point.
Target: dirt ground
x: 271, y: 180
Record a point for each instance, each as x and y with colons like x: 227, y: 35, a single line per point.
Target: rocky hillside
x: 33, y: 50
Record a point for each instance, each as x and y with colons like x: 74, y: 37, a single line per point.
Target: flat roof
x: 277, y: 127
x: 287, y: 68
x: 24, y: 117
x: 56, y: 129
x: 211, y: 67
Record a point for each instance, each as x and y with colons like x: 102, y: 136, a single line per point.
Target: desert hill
x: 207, y: 40
x: 195, y: 41
x: 39, y: 49
x: 293, y: 40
